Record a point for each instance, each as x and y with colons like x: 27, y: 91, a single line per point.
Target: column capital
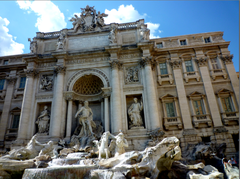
x: 176, y: 64
x: 11, y: 80
x: 148, y: 60
x: 201, y: 61
x: 68, y: 97
x: 59, y: 69
x: 227, y: 59
x: 31, y: 72
x: 115, y: 64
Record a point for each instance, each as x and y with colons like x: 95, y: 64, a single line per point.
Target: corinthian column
x: 26, y: 105
x: 116, y: 119
x: 55, y: 123
x: 147, y: 62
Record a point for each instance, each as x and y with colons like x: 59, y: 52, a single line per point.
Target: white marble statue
x: 121, y: 143
x: 112, y: 36
x: 85, y: 117
x: 48, y: 149
x: 61, y: 41
x: 43, y: 121
x: 144, y: 33
x: 102, y: 145
x: 134, y: 113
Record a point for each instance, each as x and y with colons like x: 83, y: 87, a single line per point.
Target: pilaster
x: 11, y: 80
x: 202, y: 63
x: 227, y: 59
x: 184, y: 107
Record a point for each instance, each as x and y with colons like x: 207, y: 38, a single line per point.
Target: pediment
x: 195, y: 93
x: 167, y: 96
x: 15, y: 109
x: 224, y: 91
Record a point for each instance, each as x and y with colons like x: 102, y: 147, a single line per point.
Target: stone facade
x: 186, y: 85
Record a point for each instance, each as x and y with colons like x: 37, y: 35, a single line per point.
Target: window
x: 183, y: 42
x: 15, y: 121
x: 22, y: 82
x: 5, y: 62
x: 215, y: 64
x: 227, y: 104
x: 160, y: 45
x: 198, y: 105
x: 189, y: 66
x: 2, y: 81
x: 207, y: 40
x: 170, y: 110
x: 163, y: 68
x: 206, y: 139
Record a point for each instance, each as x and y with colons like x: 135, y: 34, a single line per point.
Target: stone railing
x: 230, y: 118
x: 203, y: 120
x: 127, y: 25
x: 50, y: 34
x: 191, y: 75
x: 218, y: 72
x: 172, y: 122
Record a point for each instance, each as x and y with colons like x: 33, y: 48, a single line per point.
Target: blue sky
x: 21, y: 20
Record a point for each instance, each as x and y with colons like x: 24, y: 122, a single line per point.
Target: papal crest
x: 89, y: 20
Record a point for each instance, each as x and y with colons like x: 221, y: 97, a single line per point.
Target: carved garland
x: 116, y: 64
x: 227, y: 59
x: 176, y: 64
x: 147, y: 61
x: 201, y: 61
x: 59, y: 69
x: 31, y: 72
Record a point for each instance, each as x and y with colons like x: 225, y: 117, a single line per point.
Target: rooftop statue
x: 89, y: 20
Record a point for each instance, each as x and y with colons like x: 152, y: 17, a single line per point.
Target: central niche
x: 88, y: 85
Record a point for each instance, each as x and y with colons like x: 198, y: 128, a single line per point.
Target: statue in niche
x: 134, y: 114
x: 85, y: 117
x: 132, y: 75
x: 61, y: 41
x: 43, y: 121
x: 46, y: 83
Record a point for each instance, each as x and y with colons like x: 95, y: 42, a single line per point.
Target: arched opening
x: 88, y: 85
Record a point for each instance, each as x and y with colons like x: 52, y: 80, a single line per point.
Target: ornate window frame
x: 169, y: 122
x: 192, y: 74
x: 228, y: 118
x: 202, y: 118
x: 11, y: 133
x: 3, y: 91
x: 221, y: 71
x: 164, y: 77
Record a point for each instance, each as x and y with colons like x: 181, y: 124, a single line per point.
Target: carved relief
x: 115, y: 64
x: 201, y: 61
x: 61, y: 41
x: 59, y: 69
x: 176, y: 64
x: 217, y: 38
x: 43, y: 121
x: 132, y: 75
x: 89, y: 20
x: 146, y: 61
x: 31, y: 72
x: 227, y: 59
x: 46, y: 82
x: 11, y: 80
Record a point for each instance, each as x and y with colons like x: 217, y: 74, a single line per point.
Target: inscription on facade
x: 87, y: 60
x: 88, y: 42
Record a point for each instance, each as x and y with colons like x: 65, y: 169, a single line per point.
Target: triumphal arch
x: 184, y: 86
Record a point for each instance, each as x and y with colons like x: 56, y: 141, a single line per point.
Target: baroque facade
x: 183, y: 86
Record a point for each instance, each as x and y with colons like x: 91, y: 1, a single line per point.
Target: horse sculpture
x: 102, y: 145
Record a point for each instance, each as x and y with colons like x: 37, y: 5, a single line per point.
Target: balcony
x: 218, y: 72
x: 191, y: 75
x: 201, y: 121
x: 230, y: 118
x: 167, y: 77
x: 172, y: 123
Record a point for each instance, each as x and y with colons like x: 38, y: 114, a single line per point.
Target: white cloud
x: 129, y: 14
x: 50, y: 17
x: 8, y: 46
